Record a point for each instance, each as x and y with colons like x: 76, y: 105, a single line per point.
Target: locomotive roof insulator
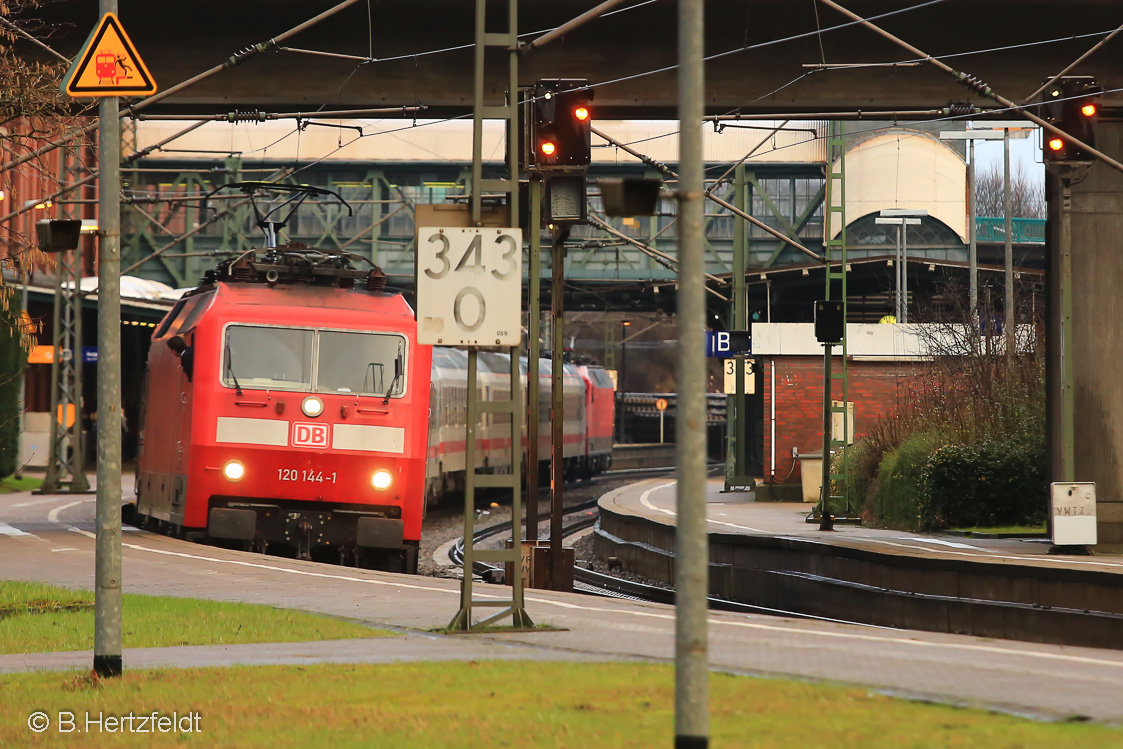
x: 376, y: 279
x: 242, y: 270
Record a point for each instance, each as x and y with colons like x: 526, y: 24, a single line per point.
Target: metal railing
x: 1023, y: 230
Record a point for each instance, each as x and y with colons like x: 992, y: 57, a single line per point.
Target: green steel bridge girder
x: 382, y: 227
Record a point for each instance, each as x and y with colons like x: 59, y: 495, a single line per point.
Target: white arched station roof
x: 134, y: 288
x: 906, y: 169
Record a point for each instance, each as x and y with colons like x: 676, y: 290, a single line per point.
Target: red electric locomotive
x: 600, y: 409
x: 287, y: 404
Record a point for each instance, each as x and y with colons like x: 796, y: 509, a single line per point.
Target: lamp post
x: 26, y: 275
x: 623, y: 373
x: 901, y: 218
x: 973, y: 254
x: 21, y: 424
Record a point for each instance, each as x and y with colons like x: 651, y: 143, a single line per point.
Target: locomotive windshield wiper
x: 369, y: 371
x: 230, y: 370
x: 397, y: 376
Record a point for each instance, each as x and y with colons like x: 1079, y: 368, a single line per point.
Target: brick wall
x: 876, y: 387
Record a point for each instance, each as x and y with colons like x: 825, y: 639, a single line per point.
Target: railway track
x: 591, y: 582
x: 456, y: 552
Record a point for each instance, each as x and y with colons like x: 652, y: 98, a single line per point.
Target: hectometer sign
x: 469, y: 286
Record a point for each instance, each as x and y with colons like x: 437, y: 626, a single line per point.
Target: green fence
x: 1024, y: 230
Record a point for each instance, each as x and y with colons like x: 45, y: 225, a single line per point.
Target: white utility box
x: 811, y: 475
x: 1072, y: 507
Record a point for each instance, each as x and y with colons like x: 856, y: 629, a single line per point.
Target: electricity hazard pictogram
x: 108, y: 65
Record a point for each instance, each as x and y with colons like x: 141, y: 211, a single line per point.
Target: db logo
x: 310, y: 435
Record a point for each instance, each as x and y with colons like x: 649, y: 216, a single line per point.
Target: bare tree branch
x: 1027, y: 196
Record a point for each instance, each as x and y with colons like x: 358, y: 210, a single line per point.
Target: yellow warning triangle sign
x: 108, y: 65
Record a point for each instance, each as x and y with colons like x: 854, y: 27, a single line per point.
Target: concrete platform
x: 766, y: 554
x: 629, y: 456
x: 738, y: 513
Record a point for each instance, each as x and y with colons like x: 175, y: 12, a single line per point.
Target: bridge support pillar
x: 1095, y: 399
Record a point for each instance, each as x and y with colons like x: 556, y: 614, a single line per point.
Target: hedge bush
x: 899, y: 481
x: 992, y: 483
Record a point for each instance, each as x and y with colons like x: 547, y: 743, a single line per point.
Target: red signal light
x: 548, y: 148
x: 1088, y: 110
x: 582, y: 113
x: 1056, y: 144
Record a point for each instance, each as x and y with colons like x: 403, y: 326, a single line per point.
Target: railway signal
x: 557, y: 145
x: 560, y: 125
x: 1072, y: 105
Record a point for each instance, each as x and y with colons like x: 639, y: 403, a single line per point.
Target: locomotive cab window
x: 602, y: 378
x: 194, y: 309
x: 361, y: 363
x: 263, y: 357
x: 170, y: 318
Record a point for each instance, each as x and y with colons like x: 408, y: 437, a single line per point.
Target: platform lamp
x: 624, y: 324
x: 999, y: 130
x: 973, y: 253
x: 58, y: 234
x: 902, y: 218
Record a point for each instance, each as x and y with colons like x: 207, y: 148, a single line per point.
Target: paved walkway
x: 409, y: 647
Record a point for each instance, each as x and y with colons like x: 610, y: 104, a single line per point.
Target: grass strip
x: 11, y: 484
x: 36, y: 618
x: 478, y: 704
x: 1004, y: 530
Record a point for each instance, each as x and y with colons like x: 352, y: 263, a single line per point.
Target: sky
x: 1023, y: 151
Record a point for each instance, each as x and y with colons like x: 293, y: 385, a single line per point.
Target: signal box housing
x: 559, y: 119
x: 1071, y: 105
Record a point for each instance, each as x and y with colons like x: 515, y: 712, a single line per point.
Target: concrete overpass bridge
x: 770, y: 56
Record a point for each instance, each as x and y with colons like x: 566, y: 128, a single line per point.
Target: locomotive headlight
x: 234, y: 471
x: 312, y: 406
x: 381, y: 480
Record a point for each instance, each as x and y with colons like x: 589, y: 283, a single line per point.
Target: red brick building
x: 883, y: 364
